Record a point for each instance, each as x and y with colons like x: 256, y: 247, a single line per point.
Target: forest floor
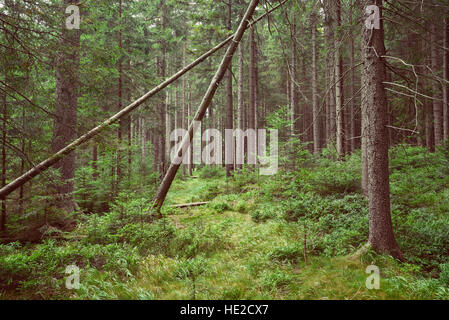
x: 295, y: 235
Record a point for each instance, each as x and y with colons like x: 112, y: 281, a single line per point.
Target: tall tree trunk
x: 191, y: 114
x: 64, y: 129
x: 339, y: 88
x: 293, y: 80
x: 185, y: 111
x: 374, y: 109
x: 327, y: 85
x: 22, y: 161
x: 121, y: 126
x: 428, y: 107
x: 241, y: 108
x: 128, y: 119
x: 329, y: 41
x: 353, y: 111
x: 252, y: 81
x: 162, y: 106
x: 446, y: 77
x: 229, y: 101
x: 437, y: 105
x: 3, y: 177
x: 315, y: 107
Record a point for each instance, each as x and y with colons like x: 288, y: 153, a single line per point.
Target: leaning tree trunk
x: 187, y: 140
x: 374, y: 109
x: 69, y: 148
x: 64, y: 130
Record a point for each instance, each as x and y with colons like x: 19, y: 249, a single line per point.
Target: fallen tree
x: 44, y: 165
x: 207, y: 99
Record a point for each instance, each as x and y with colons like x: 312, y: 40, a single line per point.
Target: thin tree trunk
x: 3, y: 177
x: 437, y: 105
x: 315, y: 107
x: 162, y: 106
x: 185, y: 111
x: 446, y: 77
x: 120, y: 128
x: 241, y: 108
x: 252, y: 81
x: 331, y: 117
x: 22, y: 161
x: 339, y: 88
x: 353, y: 127
x: 229, y: 100
x: 293, y: 80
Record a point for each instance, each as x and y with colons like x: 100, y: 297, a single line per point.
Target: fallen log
x: 186, y: 205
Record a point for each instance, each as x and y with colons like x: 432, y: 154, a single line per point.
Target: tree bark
x: 64, y: 129
x: 339, y: 88
x: 446, y: 77
x: 315, y: 106
x: 252, y: 81
x: 293, y: 80
x: 3, y: 177
x: 436, y: 104
x: 353, y: 128
x: 229, y: 101
x: 162, y: 105
x: 120, y: 128
x: 374, y: 108
x: 241, y: 107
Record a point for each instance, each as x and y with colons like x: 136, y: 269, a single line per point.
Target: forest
x: 224, y: 150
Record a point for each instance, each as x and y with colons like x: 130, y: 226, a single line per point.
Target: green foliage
x: 340, y: 177
x: 444, y: 274
x: 276, y: 279
x: 42, y: 268
x: 241, y: 206
x: 198, y: 239
x: 220, y: 206
x: 209, y: 171
x: 264, y: 213
x: 287, y: 253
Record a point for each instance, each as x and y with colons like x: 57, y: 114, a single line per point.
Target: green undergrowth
x: 294, y: 235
